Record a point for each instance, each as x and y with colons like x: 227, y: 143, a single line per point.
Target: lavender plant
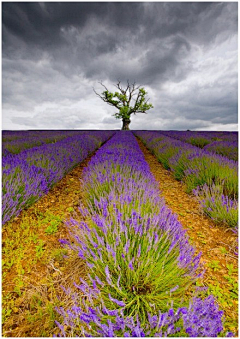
x: 84, y: 319
x: 16, y: 141
x: 223, y: 143
x: 198, y: 141
x: 226, y: 148
x: 140, y: 264
x: 178, y: 164
x: 166, y: 153
x: 139, y: 258
x: 204, y: 169
x: 22, y: 186
x: 217, y: 205
x: 31, y: 173
x: 196, y: 167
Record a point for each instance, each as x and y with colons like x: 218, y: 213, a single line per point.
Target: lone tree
x: 122, y: 100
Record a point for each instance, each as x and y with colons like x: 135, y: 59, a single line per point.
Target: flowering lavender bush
x: 22, y: 186
x: 18, y: 145
x: 209, y: 169
x: 226, y: 148
x: 196, y: 167
x: 208, y: 135
x: 30, y: 174
x: 139, y: 258
x: 223, y: 143
x: 198, y: 141
x: 201, y: 318
x: 16, y: 141
x: 218, y: 206
x: 129, y: 258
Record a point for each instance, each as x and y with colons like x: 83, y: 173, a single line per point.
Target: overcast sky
x: 184, y: 54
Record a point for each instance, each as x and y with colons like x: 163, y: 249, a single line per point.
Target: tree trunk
x: 126, y: 123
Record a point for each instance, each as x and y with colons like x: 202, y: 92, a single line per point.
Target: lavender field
x: 142, y: 274
x: 33, y: 162
x: 208, y: 174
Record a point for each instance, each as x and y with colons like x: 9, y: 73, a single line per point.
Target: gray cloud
x: 185, y: 54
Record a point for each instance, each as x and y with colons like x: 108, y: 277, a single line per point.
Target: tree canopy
x: 129, y: 100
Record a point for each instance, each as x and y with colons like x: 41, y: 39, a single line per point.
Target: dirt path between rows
x: 216, y: 242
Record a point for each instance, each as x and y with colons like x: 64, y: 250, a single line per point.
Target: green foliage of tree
x: 130, y: 100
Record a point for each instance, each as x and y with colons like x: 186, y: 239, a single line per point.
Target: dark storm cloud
x: 55, y: 51
x: 53, y: 27
x: 41, y: 23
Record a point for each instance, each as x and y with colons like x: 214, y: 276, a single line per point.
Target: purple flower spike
x: 130, y: 264
x: 118, y: 302
x: 108, y: 278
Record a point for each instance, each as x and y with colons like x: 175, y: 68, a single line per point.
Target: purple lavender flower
x: 108, y: 278
x: 203, y: 318
x: 118, y: 302
x: 130, y: 264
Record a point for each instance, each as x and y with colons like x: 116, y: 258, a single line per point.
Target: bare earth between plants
x: 36, y: 265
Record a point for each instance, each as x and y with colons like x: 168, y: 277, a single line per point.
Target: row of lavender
x: 223, y: 143
x: 140, y: 261
x: 17, y: 141
x: 211, y: 177
x: 8, y: 136
x: 30, y: 174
